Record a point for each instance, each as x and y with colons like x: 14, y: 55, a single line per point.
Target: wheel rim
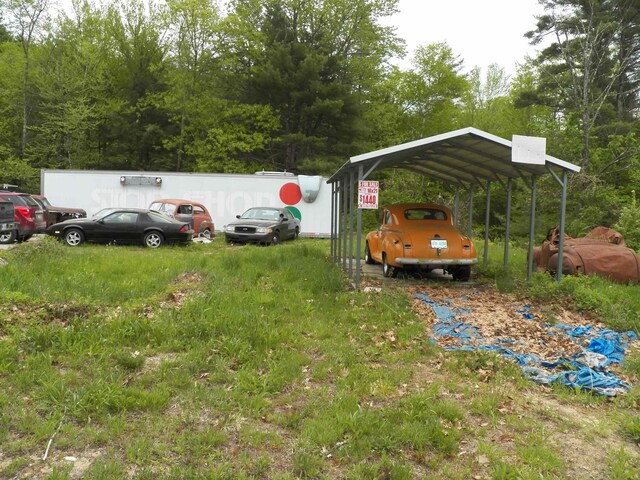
x: 73, y: 238
x: 153, y: 240
x: 206, y: 233
x: 367, y: 253
x: 4, y: 237
x: 275, y: 239
x: 385, y: 266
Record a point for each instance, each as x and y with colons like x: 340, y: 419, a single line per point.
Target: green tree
x: 25, y: 20
x: 430, y: 91
x: 311, y: 62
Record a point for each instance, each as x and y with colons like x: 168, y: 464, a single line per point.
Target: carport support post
x: 359, y: 236
x: 333, y: 218
x: 532, y: 226
x: 345, y: 212
x: 339, y: 220
x: 563, y: 208
x: 487, y: 216
x: 352, y: 182
x: 507, y: 230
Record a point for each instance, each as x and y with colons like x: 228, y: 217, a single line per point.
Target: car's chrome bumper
x: 436, y: 261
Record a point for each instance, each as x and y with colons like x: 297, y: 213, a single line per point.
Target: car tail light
x: 25, y: 212
x: 184, y: 229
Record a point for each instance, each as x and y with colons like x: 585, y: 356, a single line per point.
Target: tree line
x: 301, y: 85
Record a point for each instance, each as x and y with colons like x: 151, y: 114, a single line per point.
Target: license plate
x: 438, y: 244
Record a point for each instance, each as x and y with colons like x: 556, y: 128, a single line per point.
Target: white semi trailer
x: 224, y: 195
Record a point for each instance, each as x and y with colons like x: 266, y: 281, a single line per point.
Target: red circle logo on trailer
x: 291, y: 195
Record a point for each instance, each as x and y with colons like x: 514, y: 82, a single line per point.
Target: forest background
x: 302, y: 85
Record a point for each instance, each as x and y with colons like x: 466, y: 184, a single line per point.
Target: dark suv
x: 28, y: 215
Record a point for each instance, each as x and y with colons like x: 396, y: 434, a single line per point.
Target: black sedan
x: 263, y: 225
x: 123, y: 225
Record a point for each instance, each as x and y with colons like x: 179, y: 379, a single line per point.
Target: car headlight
x: 229, y: 228
x: 263, y: 230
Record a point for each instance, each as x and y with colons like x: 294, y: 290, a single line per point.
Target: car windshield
x: 261, y: 214
x: 15, y: 199
x: 424, y: 214
x: 43, y: 201
x: 103, y: 213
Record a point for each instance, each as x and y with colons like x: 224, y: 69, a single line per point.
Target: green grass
x: 211, y: 361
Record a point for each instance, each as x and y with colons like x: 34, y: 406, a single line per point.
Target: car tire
x: 153, y: 239
x: 296, y: 233
x: 368, y: 259
x: 462, y: 273
x: 206, y: 233
x: 387, y: 270
x: 275, y: 238
x: 8, y: 237
x: 73, y: 237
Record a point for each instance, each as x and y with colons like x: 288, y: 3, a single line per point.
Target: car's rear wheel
x: 73, y: 237
x: 153, y: 240
x: 8, y: 237
x: 367, y: 255
x: 462, y: 273
x: 206, y: 233
x: 275, y: 238
x: 387, y: 270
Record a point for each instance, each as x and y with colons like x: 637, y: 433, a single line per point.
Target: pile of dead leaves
x: 499, y: 318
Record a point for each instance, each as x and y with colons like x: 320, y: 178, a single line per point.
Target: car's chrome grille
x: 243, y: 229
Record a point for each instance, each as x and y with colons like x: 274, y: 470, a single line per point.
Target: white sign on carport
x: 465, y: 159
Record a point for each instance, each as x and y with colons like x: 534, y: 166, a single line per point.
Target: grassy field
x: 226, y: 362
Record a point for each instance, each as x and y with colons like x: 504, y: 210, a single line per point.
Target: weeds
x: 213, y: 361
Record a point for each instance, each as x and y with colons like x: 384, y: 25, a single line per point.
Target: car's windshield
x: 44, y: 201
x: 261, y: 214
x: 103, y: 213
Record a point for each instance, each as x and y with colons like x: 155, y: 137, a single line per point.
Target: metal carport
x: 464, y: 159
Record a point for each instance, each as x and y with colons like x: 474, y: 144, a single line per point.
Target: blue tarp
x: 585, y: 370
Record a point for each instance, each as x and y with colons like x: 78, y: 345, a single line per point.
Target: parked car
x: 263, y: 225
x: 600, y: 252
x: 420, y: 235
x: 54, y: 214
x: 8, y: 225
x: 123, y: 225
x: 27, y: 214
x: 188, y: 211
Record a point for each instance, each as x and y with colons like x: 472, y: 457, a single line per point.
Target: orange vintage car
x: 420, y: 235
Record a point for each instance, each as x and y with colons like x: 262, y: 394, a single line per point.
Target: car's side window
x: 198, y: 210
x: 121, y: 217
x: 387, y: 217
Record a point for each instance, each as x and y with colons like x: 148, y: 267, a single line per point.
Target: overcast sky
x: 481, y: 32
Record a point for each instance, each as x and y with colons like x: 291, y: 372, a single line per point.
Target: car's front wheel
x: 8, y: 237
x: 296, y: 233
x: 73, y: 237
x: 368, y: 259
x: 153, y: 240
x: 275, y: 238
x: 387, y: 270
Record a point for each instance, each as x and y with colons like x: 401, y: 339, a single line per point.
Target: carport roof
x: 463, y: 157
